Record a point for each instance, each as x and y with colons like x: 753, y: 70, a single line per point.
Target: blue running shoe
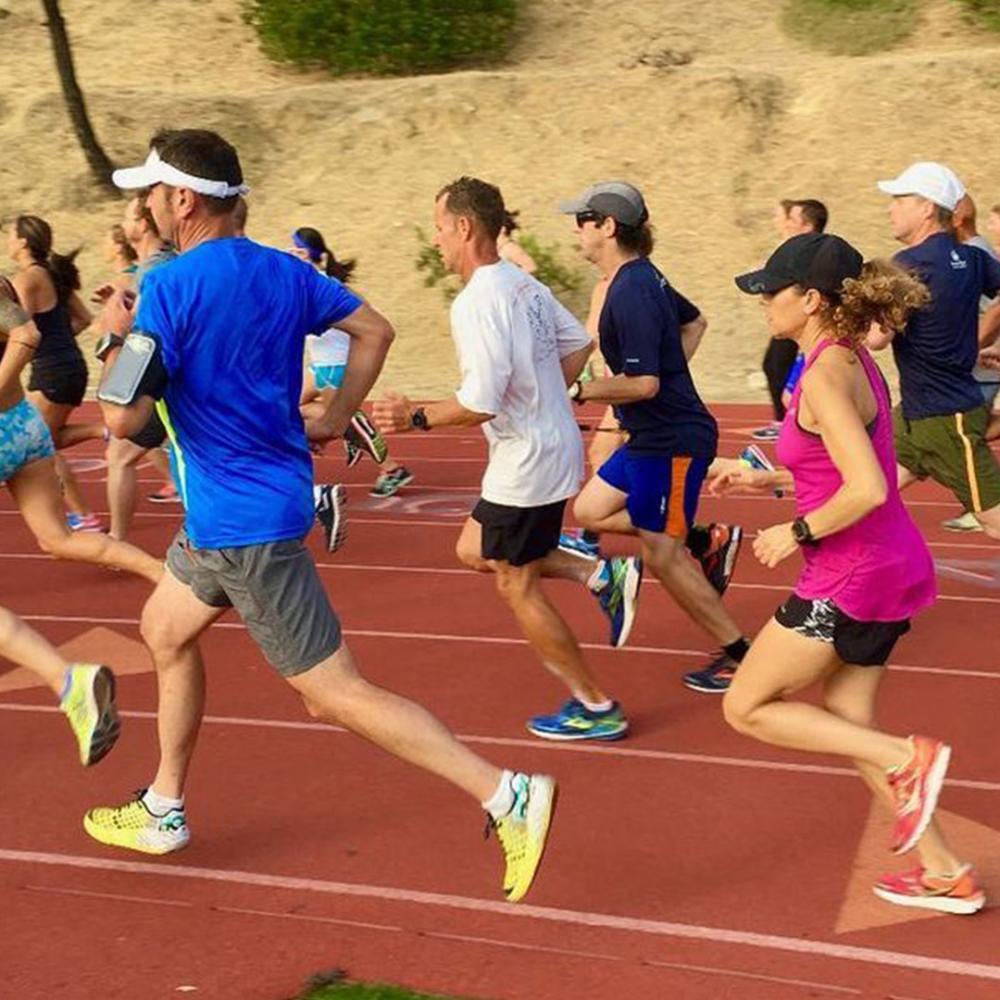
x: 619, y: 595
x: 575, y: 544
x: 713, y: 679
x: 574, y: 721
x: 753, y: 458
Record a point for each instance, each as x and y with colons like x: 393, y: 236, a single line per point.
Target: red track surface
x: 685, y: 862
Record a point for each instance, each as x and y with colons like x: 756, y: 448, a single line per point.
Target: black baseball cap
x: 812, y: 260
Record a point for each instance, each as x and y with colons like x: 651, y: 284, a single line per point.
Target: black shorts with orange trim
x: 662, y: 490
x: 952, y: 450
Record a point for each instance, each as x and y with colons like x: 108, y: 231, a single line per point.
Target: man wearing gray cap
x: 940, y: 424
x: 650, y: 486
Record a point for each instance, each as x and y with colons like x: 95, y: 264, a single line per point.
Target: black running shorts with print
x: 519, y: 535
x: 866, y: 644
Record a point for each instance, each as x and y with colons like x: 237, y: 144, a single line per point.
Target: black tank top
x: 58, y: 342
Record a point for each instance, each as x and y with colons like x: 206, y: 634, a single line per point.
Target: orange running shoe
x: 958, y: 893
x: 916, y: 786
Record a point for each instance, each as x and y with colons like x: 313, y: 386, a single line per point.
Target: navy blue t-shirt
x: 640, y: 335
x: 937, y: 351
x: 231, y: 318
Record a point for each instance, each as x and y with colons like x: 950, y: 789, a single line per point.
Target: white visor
x: 156, y: 171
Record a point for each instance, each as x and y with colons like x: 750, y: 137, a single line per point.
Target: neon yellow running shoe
x: 89, y: 705
x: 133, y: 826
x: 523, y: 832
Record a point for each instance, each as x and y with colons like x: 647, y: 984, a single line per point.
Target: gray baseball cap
x: 617, y: 199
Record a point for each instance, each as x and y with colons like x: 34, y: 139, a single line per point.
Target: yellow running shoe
x: 523, y: 832
x: 89, y: 704
x: 133, y: 826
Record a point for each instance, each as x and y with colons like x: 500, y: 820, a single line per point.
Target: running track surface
x: 685, y: 862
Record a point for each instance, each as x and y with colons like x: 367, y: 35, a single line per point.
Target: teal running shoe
x: 575, y: 544
x: 574, y: 721
x: 617, y: 591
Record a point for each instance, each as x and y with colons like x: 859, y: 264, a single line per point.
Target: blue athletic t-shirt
x: 231, y: 317
x: 937, y: 351
x: 640, y: 335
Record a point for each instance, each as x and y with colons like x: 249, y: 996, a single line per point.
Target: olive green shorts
x: 952, y: 450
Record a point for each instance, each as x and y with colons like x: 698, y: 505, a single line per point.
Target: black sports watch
x: 576, y: 392
x: 419, y: 419
x: 801, y: 532
x: 107, y: 344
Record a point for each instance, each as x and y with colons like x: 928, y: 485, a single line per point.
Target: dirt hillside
x: 709, y: 108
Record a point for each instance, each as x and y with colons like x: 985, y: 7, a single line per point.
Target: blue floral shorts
x: 24, y: 438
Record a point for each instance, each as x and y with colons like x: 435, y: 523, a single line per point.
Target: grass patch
x: 851, y: 27
x: 363, y: 991
x: 984, y: 12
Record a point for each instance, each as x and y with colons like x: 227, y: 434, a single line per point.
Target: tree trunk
x: 100, y: 166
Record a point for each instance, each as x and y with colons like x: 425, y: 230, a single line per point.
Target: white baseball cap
x: 933, y: 181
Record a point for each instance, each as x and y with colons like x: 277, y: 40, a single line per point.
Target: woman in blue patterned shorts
x: 27, y: 462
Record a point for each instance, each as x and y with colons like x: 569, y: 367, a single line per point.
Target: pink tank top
x: 878, y: 569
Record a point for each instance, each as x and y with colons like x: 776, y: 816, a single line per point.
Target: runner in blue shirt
x: 227, y: 322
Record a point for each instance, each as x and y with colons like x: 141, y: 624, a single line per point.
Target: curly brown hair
x: 884, y: 293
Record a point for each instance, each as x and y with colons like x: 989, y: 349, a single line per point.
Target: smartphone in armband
x: 122, y: 384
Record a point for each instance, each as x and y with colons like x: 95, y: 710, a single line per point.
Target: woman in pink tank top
x: 867, y: 569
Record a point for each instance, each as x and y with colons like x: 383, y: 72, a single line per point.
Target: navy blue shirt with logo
x: 937, y: 351
x: 640, y: 335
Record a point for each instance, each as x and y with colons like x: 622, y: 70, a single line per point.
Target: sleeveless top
x: 58, y: 345
x: 879, y: 568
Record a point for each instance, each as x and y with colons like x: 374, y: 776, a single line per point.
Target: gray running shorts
x: 276, y: 591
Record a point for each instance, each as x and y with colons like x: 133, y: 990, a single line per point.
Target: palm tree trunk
x: 100, y: 165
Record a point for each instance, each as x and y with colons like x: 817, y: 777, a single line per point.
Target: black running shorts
x: 864, y: 644
x: 519, y: 535
x: 152, y: 435
x: 62, y: 381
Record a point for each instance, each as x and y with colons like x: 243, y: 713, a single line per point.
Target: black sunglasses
x: 582, y: 218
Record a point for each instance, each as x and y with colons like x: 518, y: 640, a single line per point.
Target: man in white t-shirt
x: 519, y: 350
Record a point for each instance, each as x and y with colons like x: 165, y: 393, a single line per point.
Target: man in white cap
x: 940, y: 424
x: 217, y: 340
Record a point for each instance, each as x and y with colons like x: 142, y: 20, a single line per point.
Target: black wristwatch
x: 801, y: 532
x: 107, y: 344
x: 576, y: 392
x: 419, y: 419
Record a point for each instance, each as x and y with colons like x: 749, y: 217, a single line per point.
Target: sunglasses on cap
x: 582, y: 218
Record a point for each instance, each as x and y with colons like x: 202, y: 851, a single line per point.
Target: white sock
x: 502, y: 800
x: 160, y: 805
x: 597, y: 706
x: 596, y: 581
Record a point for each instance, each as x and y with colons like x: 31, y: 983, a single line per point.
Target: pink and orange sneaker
x: 916, y: 786
x: 958, y: 893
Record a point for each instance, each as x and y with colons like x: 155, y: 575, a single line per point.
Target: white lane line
x: 604, y: 750
x: 119, y: 897
x: 521, y: 911
x: 503, y: 640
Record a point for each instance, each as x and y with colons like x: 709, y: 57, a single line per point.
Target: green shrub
x: 850, y: 27
x: 565, y: 281
x: 987, y: 12
x: 383, y: 37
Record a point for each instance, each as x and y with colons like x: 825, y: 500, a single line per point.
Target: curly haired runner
x: 867, y: 569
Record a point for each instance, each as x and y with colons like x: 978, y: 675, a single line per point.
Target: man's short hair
x: 477, y: 200
x: 240, y: 213
x: 814, y: 212
x: 206, y: 154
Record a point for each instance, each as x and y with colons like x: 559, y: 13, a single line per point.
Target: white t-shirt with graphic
x: 510, y: 333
